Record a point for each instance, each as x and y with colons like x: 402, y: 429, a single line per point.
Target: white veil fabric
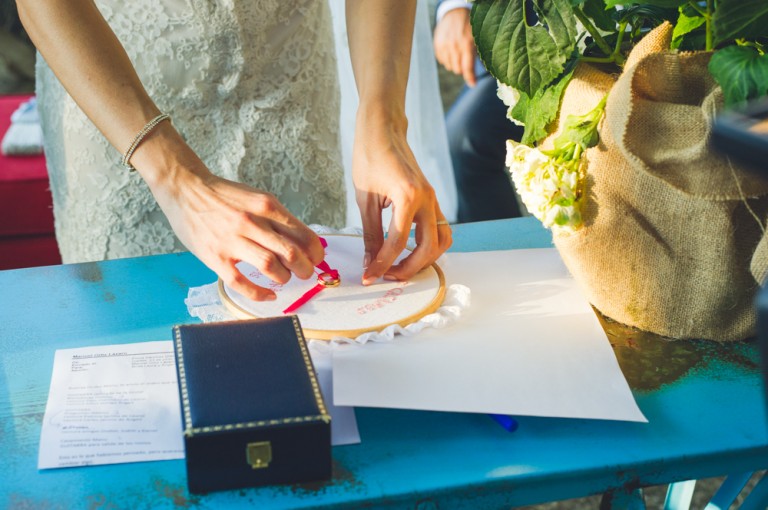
x: 423, y: 107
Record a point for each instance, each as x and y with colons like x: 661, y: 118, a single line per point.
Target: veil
x: 423, y: 107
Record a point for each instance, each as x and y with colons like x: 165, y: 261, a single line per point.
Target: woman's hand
x: 223, y: 222
x: 385, y: 173
x: 455, y: 46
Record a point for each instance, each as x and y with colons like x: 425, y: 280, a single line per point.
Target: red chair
x: 26, y: 215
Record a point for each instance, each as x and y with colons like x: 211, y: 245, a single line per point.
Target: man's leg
x: 477, y: 130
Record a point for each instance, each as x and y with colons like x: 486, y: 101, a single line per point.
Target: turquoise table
x: 704, y: 403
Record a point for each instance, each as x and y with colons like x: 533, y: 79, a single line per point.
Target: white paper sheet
x: 111, y: 404
x: 120, y: 403
x: 529, y: 344
x: 343, y: 420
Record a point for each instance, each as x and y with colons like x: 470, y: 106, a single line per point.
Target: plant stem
x: 601, y: 106
x: 695, y: 5
x: 617, y: 56
x: 620, y: 37
x: 751, y: 44
x: 707, y: 15
x: 597, y: 60
x: 592, y: 31
x: 577, y: 151
x: 708, y: 18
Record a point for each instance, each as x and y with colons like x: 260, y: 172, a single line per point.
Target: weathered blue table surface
x: 704, y: 403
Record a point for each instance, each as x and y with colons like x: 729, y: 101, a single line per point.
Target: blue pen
x: 510, y: 424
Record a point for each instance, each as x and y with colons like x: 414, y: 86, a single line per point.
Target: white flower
x: 564, y: 217
x: 549, y: 189
x: 510, y: 96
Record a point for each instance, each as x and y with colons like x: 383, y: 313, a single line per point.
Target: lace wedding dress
x: 251, y: 86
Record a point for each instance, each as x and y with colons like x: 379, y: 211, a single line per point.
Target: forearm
x: 86, y: 56
x: 380, y: 38
x: 220, y: 221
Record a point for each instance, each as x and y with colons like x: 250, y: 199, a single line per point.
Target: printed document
x: 111, y: 404
x: 120, y: 403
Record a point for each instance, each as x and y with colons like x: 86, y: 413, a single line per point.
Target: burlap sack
x: 673, y: 241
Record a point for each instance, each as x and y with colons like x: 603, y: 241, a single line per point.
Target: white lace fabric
x: 251, y: 86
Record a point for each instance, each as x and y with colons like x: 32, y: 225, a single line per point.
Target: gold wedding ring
x: 442, y: 222
x: 328, y: 280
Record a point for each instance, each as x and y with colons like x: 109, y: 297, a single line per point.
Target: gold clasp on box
x: 259, y: 455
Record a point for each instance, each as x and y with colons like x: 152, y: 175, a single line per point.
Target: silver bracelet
x: 140, y: 137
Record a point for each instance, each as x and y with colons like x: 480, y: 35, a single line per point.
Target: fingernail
x: 391, y: 277
x: 270, y: 297
x: 366, y: 260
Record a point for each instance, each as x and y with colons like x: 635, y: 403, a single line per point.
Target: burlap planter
x: 673, y: 241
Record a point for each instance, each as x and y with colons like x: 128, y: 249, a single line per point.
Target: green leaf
x: 523, y: 56
x: 581, y: 129
x: 520, y: 113
x: 647, y: 16
x: 601, y: 17
x: 693, y: 41
x: 741, y: 72
x: 557, y: 17
x: 685, y: 25
x: 657, y: 3
x: 537, y: 113
x: 740, y: 19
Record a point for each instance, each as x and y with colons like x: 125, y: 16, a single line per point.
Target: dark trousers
x: 477, y: 131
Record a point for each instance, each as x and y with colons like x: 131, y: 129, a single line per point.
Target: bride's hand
x: 385, y: 173
x: 384, y: 170
x: 223, y: 222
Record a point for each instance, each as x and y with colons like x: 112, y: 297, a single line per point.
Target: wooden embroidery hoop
x: 321, y: 334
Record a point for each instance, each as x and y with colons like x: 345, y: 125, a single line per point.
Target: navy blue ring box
x: 252, y: 411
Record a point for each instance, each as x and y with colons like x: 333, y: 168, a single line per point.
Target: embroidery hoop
x: 433, y: 273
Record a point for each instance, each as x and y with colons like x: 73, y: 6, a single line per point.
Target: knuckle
x: 241, y: 220
x: 265, y: 205
x: 409, y: 193
x: 268, y: 263
x: 291, y: 254
x: 446, y: 242
x: 235, y: 279
x: 445, y: 236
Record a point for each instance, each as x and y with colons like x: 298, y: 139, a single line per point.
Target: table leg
x: 728, y: 492
x: 758, y: 498
x: 679, y: 495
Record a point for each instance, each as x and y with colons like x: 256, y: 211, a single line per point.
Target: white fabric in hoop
x: 204, y: 303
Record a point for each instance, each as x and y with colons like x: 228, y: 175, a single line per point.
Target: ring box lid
x: 236, y: 376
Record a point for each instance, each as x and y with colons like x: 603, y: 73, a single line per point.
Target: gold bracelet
x: 140, y: 137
